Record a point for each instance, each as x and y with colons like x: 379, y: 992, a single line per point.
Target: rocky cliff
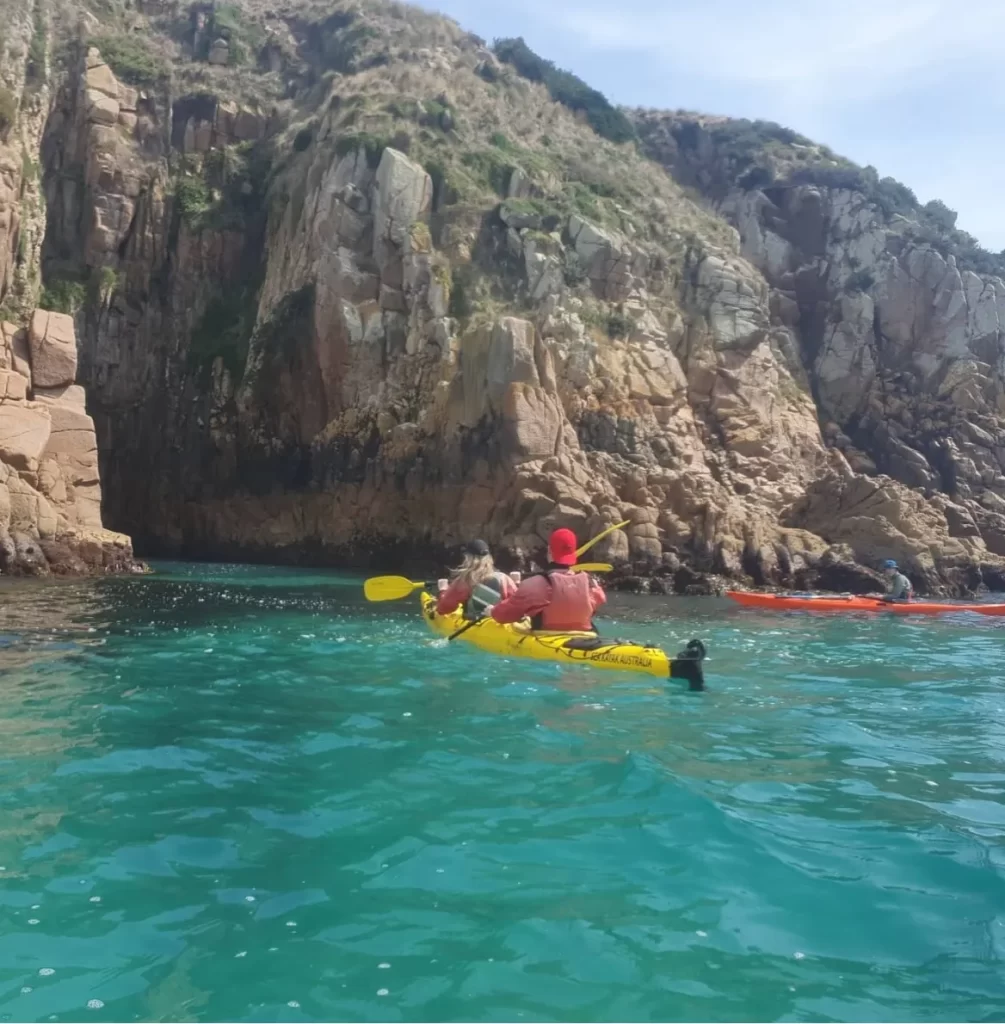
x: 898, y: 315
x: 50, y: 490
x: 348, y: 285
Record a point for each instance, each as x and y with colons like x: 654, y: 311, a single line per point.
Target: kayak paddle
x: 389, y: 588
x: 395, y: 588
x: 467, y: 625
x: 600, y: 536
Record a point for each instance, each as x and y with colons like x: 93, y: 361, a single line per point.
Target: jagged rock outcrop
x: 372, y: 293
x: 903, y: 347
x: 50, y: 489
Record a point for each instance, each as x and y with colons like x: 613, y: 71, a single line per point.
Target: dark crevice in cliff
x: 940, y: 457
x: 130, y: 233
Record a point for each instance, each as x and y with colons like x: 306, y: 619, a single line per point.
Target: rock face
x: 903, y: 347
x: 53, y: 347
x: 373, y: 293
x: 50, y: 490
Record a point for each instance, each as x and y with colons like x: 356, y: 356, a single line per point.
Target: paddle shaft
x: 467, y: 625
x: 600, y: 536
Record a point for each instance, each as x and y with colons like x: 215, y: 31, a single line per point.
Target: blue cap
x: 889, y: 564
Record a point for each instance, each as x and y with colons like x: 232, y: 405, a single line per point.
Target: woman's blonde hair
x: 475, y: 569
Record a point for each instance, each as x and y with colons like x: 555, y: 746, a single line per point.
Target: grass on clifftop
x: 567, y: 89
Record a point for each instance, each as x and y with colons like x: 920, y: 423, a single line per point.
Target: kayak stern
x: 687, y: 665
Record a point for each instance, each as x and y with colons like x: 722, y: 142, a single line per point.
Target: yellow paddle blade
x: 389, y: 588
x: 600, y: 536
x: 592, y: 567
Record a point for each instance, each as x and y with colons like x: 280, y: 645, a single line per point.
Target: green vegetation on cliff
x: 223, y: 332
x: 228, y: 22
x: 342, y: 39
x: 132, y: 59
x: 371, y: 144
x: 224, y: 189
x: 89, y: 290
x: 567, y: 89
x: 63, y: 295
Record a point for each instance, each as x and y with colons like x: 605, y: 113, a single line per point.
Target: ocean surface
x: 240, y: 793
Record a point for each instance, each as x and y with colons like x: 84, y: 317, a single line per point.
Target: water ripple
x: 243, y: 793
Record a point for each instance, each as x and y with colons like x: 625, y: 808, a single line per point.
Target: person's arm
x: 529, y: 598
x: 597, y: 595
x: 453, y: 597
x: 897, y: 589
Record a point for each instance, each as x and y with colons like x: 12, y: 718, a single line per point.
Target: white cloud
x: 915, y: 88
x: 789, y: 43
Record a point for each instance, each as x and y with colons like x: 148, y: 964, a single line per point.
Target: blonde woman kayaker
x: 476, y: 584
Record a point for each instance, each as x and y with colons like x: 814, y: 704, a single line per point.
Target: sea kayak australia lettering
x: 624, y: 659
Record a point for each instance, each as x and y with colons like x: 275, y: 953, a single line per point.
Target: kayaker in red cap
x: 557, y: 598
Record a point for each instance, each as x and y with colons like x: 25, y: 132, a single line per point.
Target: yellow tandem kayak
x: 519, y: 641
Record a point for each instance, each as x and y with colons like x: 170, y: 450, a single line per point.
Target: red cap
x: 562, y: 547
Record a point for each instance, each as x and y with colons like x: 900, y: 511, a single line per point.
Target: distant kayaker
x: 898, y: 586
x: 476, y: 584
x: 556, y: 598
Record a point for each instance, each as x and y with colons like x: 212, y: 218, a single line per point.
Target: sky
x: 914, y: 87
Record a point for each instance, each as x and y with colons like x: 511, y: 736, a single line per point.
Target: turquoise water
x: 235, y: 793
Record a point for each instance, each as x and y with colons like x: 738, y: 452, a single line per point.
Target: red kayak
x: 812, y: 603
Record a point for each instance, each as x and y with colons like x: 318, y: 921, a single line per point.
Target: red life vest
x: 570, y: 607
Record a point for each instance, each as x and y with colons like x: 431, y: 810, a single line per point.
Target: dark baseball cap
x: 478, y: 548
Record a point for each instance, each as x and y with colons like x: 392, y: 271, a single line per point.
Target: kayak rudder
x: 686, y: 664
